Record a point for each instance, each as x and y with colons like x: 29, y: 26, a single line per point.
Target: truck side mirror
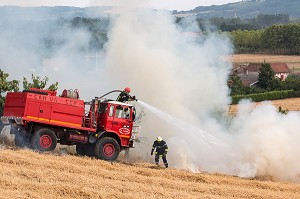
x: 133, y: 114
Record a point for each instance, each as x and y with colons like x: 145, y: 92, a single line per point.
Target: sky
x: 158, y: 4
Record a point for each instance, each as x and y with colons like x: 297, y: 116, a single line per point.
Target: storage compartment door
x: 45, y: 111
x: 33, y: 109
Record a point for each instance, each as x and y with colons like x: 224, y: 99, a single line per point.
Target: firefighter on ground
x: 124, y: 96
x: 161, y: 150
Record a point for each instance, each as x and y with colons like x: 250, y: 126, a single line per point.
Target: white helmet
x: 159, y: 138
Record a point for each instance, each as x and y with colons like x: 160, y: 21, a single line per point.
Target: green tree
x: 6, y: 86
x: 247, y: 41
x: 236, y: 86
x: 292, y: 82
x: 266, y: 20
x: 266, y: 76
x: 282, y: 39
x: 38, y: 82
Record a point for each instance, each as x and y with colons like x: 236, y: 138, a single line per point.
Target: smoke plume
x: 186, y: 78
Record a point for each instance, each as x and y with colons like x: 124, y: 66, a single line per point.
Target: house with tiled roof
x: 248, y: 72
x: 281, y: 70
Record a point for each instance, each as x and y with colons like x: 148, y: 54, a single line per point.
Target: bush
x: 273, y: 95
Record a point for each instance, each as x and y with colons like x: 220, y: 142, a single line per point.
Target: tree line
x: 253, y: 35
x: 276, y: 39
x: 96, y: 27
x: 223, y: 24
x: 267, y: 33
x: 231, y: 24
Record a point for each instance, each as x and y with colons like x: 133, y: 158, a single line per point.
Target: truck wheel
x: 44, y: 140
x: 22, y: 140
x: 107, y: 148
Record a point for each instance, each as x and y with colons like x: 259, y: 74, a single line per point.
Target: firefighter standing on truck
x: 161, y: 150
x: 124, y: 96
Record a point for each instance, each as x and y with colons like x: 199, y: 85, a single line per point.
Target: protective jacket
x: 124, y: 97
x: 161, y: 148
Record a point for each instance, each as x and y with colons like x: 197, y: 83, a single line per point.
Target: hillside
x: 248, y: 9
x: 26, y: 174
x: 242, y: 9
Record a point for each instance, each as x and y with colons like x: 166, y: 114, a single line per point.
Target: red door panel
x: 121, y: 123
x: 110, y: 117
x: 45, y: 111
x: 33, y: 109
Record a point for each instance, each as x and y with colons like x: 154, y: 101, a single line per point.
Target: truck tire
x: 44, y: 140
x: 22, y: 140
x: 107, y: 148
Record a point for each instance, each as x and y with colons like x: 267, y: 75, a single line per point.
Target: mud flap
x: 4, y: 126
x: 1, y: 126
x: 14, y: 129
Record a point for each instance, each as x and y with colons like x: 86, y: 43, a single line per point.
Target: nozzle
x: 134, y: 98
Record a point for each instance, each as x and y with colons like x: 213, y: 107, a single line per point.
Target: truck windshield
x: 123, y: 112
x: 111, y: 111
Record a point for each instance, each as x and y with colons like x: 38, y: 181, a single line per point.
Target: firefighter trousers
x: 164, y: 158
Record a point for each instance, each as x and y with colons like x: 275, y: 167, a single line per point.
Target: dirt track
x: 26, y: 174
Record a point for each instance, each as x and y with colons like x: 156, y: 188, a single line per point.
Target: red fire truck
x: 40, y: 119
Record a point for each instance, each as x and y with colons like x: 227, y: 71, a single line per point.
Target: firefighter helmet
x: 127, y: 90
x: 159, y: 138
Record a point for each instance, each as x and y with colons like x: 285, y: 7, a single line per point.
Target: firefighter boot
x: 167, y: 165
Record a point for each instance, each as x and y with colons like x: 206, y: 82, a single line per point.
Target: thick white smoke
x: 268, y: 142
x: 187, y: 79
x: 23, y: 52
x: 147, y: 52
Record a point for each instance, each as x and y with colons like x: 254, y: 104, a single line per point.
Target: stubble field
x: 292, y: 104
x: 292, y: 61
x: 26, y: 174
